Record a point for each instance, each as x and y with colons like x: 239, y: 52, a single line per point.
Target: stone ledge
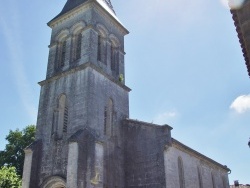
x: 82, y: 67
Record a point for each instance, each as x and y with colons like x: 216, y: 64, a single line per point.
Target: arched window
x: 115, y: 49
x: 61, y: 50
x: 78, y: 46
x: 108, y: 118
x: 76, y: 32
x: 61, y: 117
x: 114, y: 59
x: 101, y: 49
x: 62, y: 54
x: 54, y: 182
x: 181, y: 173
x: 101, y: 43
x: 200, y: 177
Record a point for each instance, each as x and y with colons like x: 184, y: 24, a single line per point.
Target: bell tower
x: 83, y: 101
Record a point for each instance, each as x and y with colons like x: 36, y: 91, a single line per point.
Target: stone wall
x: 88, y: 92
x: 144, y: 154
x: 199, y: 171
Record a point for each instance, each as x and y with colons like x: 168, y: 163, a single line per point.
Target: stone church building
x: 84, y: 136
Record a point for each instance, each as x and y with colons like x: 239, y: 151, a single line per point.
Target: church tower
x: 83, y: 101
x: 84, y: 137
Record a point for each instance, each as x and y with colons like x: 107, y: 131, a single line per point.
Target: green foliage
x: 9, y: 178
x: 121, y: 78
x: 13, y: 155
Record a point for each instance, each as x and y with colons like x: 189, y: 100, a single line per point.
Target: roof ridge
x: 71, y: 4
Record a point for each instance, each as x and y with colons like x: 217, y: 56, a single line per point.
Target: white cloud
x: 235, y: 4
x: 165, y: 117
x: 241, y: 104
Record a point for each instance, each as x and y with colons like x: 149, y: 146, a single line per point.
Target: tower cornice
x: 82, y: 67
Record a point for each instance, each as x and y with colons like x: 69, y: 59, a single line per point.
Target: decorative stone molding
x: 54, y: 182
x: 62, y: 34
x: 102, y: 29
x: 77, y: 27
x: 114, y: 40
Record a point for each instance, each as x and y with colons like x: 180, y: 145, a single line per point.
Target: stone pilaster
x: 52, y: 59
x: 97, y: 180
x: 72, y: 165
x: 27, y: 168
x: 90, y: 42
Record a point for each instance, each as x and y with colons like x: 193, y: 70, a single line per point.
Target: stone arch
x: 76, y: 28
x: 54, y: 182
x: 76, y: 50
x: 114, y: 40
x: 63, y: 34
x: 102, y: 30
x: 61, y: 40
x: 181, y: 173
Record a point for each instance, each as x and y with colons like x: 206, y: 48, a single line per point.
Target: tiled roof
x: 240, y: 16
x: 71, y: 4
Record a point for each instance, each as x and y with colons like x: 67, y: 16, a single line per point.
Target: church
x: 84, y: 137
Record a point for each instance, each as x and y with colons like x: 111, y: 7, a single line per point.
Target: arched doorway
x: 54, y: 182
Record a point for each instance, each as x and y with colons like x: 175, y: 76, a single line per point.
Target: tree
x: 13, y: 155
x: 9, y: 178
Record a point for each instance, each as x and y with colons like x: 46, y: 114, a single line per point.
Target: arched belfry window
x: 78, y: 46
x: 101, y: 43
x: 181, y: 173
x: 61, y: 117
x: 61, y: 53
x: 114, y: 54
x: 114, y: 59
x: 108, y: 118
x: 77, y: 39
x: 101, y: 56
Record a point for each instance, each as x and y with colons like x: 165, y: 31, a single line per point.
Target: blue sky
x: 183, y: 63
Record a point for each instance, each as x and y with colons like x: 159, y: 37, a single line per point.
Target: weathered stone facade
x: 84, y: 136
x: 198, y: 170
